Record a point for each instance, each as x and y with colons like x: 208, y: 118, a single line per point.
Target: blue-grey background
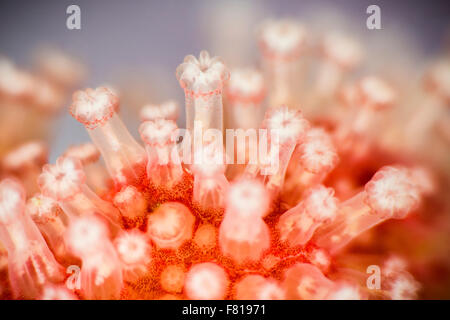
x: 136, y: 44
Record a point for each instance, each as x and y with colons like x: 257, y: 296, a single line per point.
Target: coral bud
x: 256, y: 287
x: 131, y: 203
x: 206, y: 237
x: 243, y: 235
x: 202, y: 80
x: 170, y: 225
x: 297, y: 225
x: 101, y: 272
x: 206, y: 281
x: 65, y: 183
x: 390, y: 194
x: 96, y: 109
x: 28, y: 254
x: 134, y: 252
x: 168, y: 110
x: 172, y: 278
x: 306, y: 282
x: 163, y: 164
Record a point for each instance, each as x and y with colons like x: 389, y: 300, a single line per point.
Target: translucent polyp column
x: 203, y: 81
x: 206, y: 281
x: 170, y: 225
x: 96, y: 175
x: 25, y: 162
x: 282, y: 43
x: 297, y: 225
x: 65, y: 183
x: 210, y: 183
x: 134, y: 252
x: 345, y: 291
x: 96, y: 110
x: 243, y: 234
x: 286, y: 128
x: 396, y: 282
x: 31, y: 264
x: 101, y: 271
x: 389, y: 194
x: 163, y: 162
x: 340, y: 54
x: 168, y: 110
x: 51, y: 221
x: 256, y: 287
x: 311, y: 163
x: 245, y: 93
x: 304, y: 281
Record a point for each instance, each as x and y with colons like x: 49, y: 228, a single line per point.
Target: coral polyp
x: 315, y: 200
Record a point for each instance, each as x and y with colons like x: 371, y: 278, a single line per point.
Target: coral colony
x: 260, y: 196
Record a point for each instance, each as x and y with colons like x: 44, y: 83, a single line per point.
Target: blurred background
x: 135, y: 46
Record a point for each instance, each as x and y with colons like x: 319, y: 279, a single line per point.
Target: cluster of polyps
x: 161, y: 228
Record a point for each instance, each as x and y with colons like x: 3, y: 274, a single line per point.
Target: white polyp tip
x: 87, y: 153
x: 206, y: 281
x: 93, y: 107
x: 202, y: 76
x: 133, y: 248
x: 391, y: 192
x: 14, y: 82
x: 282, y: 38
x: 12, y: 200
x: 159, y: 132
x: 424, y: 179
x: 248, y: 198
x: 376, y: 92
x: 59, y: 67
x: 62, y: 180
x: 317, y: 152
x: 439, y: 77
x: 345, y: 291
x: 394, y: 265
x: 169, y: 222
x: 289, y: 124
x: 127, y: 195
x: 404, y: 287
x: 47, y: 97
x: 246, y: 84
x: 170, y: 109
x: 42, y: 208
x: 57, y: 292
x: 151, y: 112
x: 320, y: 203
x: 27, y: 154
x: 86, y: 235
x: 342, y: 50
